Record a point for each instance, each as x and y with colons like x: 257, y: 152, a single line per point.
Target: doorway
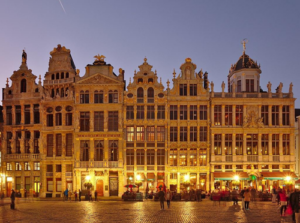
x: 9, y: 188
x: 69, y: 185
x: 99, y: 188
x: 113, y: 186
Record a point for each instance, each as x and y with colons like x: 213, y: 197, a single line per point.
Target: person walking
x: 161, y: 196
x: 168, y: 197
x: 75, y: 193
x: 283, y: 201
x: 234, y: 196
x: 66, y: 194
x: 274, y: 194
x: 247, y: 196
x: 243, y: 198
x: 70, y: 194
x: 12, y: 197
x: 294, y: 201
x: 96, y: 195
x: 79, y: 195
x: 90, y: 194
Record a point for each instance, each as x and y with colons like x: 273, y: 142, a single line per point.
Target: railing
x: 84, y: 164
x: 161, y: 168
x: 69, y: 174
x: 150, y: 100
x: 49, y: 174
x: 250, y: 95
x: 113, y: 163
x: 61, y: 81
x: 228, y: 158
x: 98, y: 164
x: 21, y: 156
x: 150, y: 167
x: 130, y: 168
x: 252, y: 158
x: 276, y: 158
x: 140, y: 100
x: 140, y: 168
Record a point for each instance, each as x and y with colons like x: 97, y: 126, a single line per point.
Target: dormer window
x: 249, y: 85
x: 150, y: 94
x: 23, y: 85
x: 140, y: 95
x: 140, y: 80
x: 150, y: 80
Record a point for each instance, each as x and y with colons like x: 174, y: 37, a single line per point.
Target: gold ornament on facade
x: 251, y: 120
x: 99, y: 58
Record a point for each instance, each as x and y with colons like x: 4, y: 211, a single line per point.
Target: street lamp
x: 138, y: 182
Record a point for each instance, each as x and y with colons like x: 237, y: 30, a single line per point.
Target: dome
x: 244, y: 62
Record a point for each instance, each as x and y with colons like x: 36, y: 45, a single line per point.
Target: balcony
x: 228, y: 158
x: 140, y: 168
x: 17, y: 157
x: 252, y: 158
x: 49, y: 174
x: 113, y: 164
x: 161, y: 168
x: 98, y: 164
x: 84, y: 164
x: 276, y: 158
x: 62, y: 81
x: 69, y: 174
x: 150, y: 168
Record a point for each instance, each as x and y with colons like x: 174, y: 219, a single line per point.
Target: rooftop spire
x: 244, y: 42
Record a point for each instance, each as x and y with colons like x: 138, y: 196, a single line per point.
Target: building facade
x: 78, y: 132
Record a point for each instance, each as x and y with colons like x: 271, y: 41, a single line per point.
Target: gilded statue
x: 99, y: 58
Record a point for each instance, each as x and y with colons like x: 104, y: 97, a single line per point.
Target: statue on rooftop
x: 24, y: 57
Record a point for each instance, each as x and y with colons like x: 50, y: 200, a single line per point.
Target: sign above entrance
x: 99, y: 135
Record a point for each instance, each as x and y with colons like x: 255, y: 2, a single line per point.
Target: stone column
x: 233, y: 115
x: 292, y: 116
x: 270, y: 115
x: 188, y: 157
x: 280, y: 146
x: 212, y: 115
x: 245, y: 146
x: 63, y: 138
x: 223, y: 146
x: 270, y: 146
x: 212, y: 144
x: 233, y: 144
x: 31, y: 114
x: 22, y: 114
x: 280, y: 115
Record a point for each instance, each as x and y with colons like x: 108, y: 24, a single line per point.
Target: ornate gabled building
x: 75, y: 132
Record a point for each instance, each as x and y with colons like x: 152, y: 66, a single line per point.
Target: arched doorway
x: 99, y: 188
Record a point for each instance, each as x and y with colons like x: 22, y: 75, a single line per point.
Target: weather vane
x: 244, y: 42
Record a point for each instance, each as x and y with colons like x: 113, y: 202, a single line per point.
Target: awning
x: 297, y: 182
x: 130, y: 175
x: 230, y: 175
x: 150, y: 176
x: 278, y: 175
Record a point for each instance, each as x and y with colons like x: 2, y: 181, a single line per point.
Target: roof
x: 245, y: 62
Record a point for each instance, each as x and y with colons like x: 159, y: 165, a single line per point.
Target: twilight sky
x: 166, y: 32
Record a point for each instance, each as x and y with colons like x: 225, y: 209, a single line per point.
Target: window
x: 173, y: 176
x: 140, y: 133
x: 239, y: 115
x: 183, y: 134
x: 275, y: 167
x: 275, y: 115
x: 140, y: 80
x: 84, y: 121
x: 239, y: 144
x: 18, y: 142
x: 150, y: 94
x: 173, y: 157
x: 150, y: 157
x: 23, y: 85
x: 150, y: 80
x: 113, y: 150
x: 218, y: 115
x: 18, y: 184
x: 62, y: 93
x: 218, y: 144
x: 203, y: 134
x: 98, y: 97
x: 193, y: 89
x: 173, y: 134
x: 275, y: 144
x: 113, y: 96
x: 69, y: 118
x: 228, y: 114
x: 193, y: 157
x: 99, y: 121
x: 129, y: 113
x: 58, y: 168
x: 249, y: 85
x: 67, y: 75
x: 8, y: 115
x: 193, y: 134
x: 84, y: 150
x: 49, y: 184
x: 193, y: 112
x: 99, y: 150
x: 36, y: 113
x: 202, y: 157
x: 58, y: 145
x: 265, y: 167
x: 27, y: 184
x: 252, y: 144
x: 58, y: 185
x: 183, y: 157
x: 160, y: 157
x: 130, y: 157
x: 62, y: 75
x: 8, y: 166
x: 27, y: 142
x: 285, y: 115
x: 53, y: 77
x: 130, y: 134
x: 203, y: 112
x: 58, y: 119
x: 113, y: 121
x: 50, y: 145
x: 69, y: 144
x: 36, y: 165
x: 160, y: 112
x: 18, y: 166
x: 57, y: 76
x: 140, y: 157
x: 69, y: 168
x: 183, y: 90
x: 239, y: 86
x: 8, y: 142
x: 160, y: 130
x: 286, y: 167
x: 150, y: 112
x: 286, y: 144
x: 18, y: 114
x: 228, y: 144
x: 140, y: 112
x: 27, y: 114
x: 173, y: 112
x: 265, y: 144
x: 84, y: 97
x: 150, y: 134
x: 183, y: 112
x: 49, y: 120
x: 264, y: 114
x: 140, y: 95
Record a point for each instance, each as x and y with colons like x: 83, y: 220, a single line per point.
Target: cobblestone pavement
x: 147, y: 211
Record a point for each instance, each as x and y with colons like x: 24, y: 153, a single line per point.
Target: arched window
x: 62, y: 75
x: 98, y: 97
x: 67, y: 75
x: 23, y: 85
x: 140, y: 95
x: 52, y: 93
x: 57, y: 76
x: 113, y: 96
x: 84, y: 97
x: 140, y: 80
x: 150, y: 80
x: 150, y: 94
x: 52, y: 77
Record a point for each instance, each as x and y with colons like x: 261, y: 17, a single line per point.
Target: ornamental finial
x: 145, y: 59
x: 99, y: 58
x: 174, y: 73
x: 168, y: 83
x: 244, y: 42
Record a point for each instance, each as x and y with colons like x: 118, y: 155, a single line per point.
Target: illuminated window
x: 218, y: 144
x: 218, y: 115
